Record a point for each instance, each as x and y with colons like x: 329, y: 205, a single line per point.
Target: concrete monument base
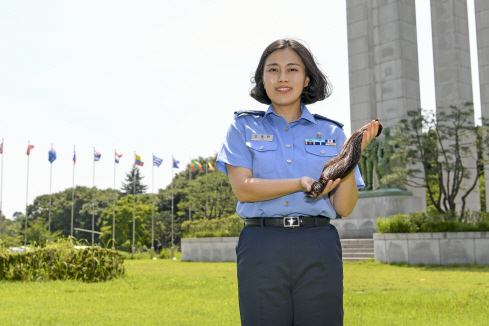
x: 440, y: 248
x: 372, y: 204
x: 209, y: 249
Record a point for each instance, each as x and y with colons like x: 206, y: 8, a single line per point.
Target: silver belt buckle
x: 291, y: 221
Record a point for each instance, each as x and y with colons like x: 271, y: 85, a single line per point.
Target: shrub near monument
x: 420, y: 222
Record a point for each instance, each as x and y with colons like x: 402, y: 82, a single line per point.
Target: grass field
x: 165, y: 292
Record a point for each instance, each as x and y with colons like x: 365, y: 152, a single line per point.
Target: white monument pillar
x: 453, y: 80
x: 384, y: 80
x: 482, y: 26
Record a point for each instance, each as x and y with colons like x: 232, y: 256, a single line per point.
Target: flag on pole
x: 157, y: 161
x: 52, y: 155
x: 195, y: 165
x: 29, y: 149
x: 74, y: 157
x: 175, y: 164
x: 1, y: 148
x: 96, y: 156
x: 117, y: 157
x: 211, y: 167
x: 139, y: 161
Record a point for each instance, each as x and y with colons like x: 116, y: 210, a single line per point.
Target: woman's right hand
x: 307, y: 182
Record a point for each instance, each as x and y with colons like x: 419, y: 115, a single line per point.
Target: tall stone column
x: 453, y: 80
x: 384, y: 80
x: 361, y: 62
x: 482, y: 26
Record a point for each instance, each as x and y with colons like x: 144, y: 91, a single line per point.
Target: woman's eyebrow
x: 289, y: 64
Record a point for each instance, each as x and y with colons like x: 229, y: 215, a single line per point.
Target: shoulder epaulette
x: 320, y: 117
x: 242, y: 112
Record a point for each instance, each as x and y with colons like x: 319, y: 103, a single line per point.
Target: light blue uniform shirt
x: 285, y: 156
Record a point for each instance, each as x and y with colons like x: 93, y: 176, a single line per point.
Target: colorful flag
x: 211, y: 167
x: 157, y: 161
x: 195, y: 165
x: 29, y: 149
x: 52, y: 155
x: 1, y: 148
x: 74, y: 157
x: 175, y: 164
x: 117, y: 157
x: 96, y: 156
x: 139, y: 161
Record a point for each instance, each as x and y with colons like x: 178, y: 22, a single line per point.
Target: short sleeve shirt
x: 274, y: 149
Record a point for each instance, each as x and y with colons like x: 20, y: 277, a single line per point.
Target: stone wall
x: 209, y: 249
x: 361, y: 223
x: 440, y: 248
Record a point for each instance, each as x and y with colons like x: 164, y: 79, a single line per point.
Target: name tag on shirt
x: 262, y: 137
x: 326, y: 142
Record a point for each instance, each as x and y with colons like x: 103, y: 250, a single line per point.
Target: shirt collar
x: 305, y: 113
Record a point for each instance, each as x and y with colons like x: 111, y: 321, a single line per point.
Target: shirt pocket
x: 264, y: 155
x: 317, y: 157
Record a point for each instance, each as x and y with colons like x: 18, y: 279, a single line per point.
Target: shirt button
x: 261, y: 147
x: 289, y: 161
x: 288, y: 145
x: 287, y: 203
x: 286, y: 128
x: 322, y: 152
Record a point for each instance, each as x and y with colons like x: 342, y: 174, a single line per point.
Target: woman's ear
x: 306, y: 82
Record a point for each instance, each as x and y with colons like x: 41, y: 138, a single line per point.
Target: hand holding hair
x: 343, y: 164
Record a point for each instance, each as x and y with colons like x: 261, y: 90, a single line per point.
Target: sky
x: 160, y: 77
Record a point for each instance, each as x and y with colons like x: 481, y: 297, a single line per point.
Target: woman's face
x: 284, y: 77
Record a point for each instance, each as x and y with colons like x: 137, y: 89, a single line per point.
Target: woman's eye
x: 293, y: 69
x: 272, y: 69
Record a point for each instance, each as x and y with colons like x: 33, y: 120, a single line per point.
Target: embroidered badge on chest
x: 262, y: 137
x: 325, y: 142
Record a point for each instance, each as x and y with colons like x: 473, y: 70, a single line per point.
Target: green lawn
x: 165, y: 292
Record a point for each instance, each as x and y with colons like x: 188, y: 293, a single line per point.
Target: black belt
x: 288, y: 222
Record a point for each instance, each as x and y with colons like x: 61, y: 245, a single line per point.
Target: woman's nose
x: 283, y: 77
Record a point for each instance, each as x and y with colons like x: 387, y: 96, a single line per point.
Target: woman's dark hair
x: 318, y: 88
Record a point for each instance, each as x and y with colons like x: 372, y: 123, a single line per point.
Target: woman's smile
x: 283, y: 90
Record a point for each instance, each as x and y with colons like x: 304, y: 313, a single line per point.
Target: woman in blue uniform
x: 290, y: 270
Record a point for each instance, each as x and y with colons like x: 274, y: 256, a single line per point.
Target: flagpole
x: 189, y: 202
x: 173, y: 163
x: 1, y: 195
x: 153, y: 207
x: 73, y: 191
x: 113, y: 216
x: 50, y: 182
x: 206, y: 168
x: 93, y: 198
x: 27, y: 195
x: 134, y: 205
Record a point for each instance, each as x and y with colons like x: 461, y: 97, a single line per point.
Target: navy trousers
x: 290, y: 276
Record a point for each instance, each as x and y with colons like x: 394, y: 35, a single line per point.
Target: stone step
x: 354, y: 246
x: 356, y: 259
x: 357, y: 241
x: 359, y: 250
x: 358, y: 255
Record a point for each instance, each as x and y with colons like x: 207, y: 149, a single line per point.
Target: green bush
x: 61, y: 261
x: 426, y: 222
x: 219, y: 227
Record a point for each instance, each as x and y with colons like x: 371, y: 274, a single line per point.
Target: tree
x: 82, y: 212
x: 440, y: 150
x: 124, y: 222
x: 128, y: 186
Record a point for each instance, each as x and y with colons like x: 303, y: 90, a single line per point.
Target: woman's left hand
x: 370, y: 132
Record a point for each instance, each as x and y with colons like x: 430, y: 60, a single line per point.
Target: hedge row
x: 62, y: 262
x: 419, y: 222
x: 219, y: 227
